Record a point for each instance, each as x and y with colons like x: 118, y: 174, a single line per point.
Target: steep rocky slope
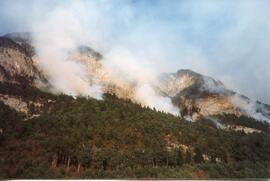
x: 16, y: 64
x: 198, y: 95
x: 194, y: 94
x: 24, y: 39
x: 46, y: 135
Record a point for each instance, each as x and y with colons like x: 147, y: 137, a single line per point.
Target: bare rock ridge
x: 24, y: 39
x: 16, y: 65
x: 196, y: 95
x: 188, y: 82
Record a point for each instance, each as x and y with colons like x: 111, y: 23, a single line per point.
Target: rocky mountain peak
x: 24, y: 39
x: 196, y: 95
x: 189, y: 82
x: 16, y: 64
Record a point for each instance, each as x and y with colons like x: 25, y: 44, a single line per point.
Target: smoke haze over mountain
x: 222, y: 39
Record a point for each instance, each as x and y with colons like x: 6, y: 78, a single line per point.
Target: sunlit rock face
x: 198, y: 95
x: 194, y: 94
x: 19, y: 64
x: 92, y: 60
x: 189, y: 81
x: 16, y: 64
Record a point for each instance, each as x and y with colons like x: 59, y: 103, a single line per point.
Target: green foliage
x: 114, y: 138
x: 244, y: 121
x: 198, y: 156
x: 188, y: 158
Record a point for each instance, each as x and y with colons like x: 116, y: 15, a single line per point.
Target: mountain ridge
x: 46, y: 134
x: 196, y: 95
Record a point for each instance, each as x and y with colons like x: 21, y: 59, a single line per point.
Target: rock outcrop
x: 194, y: 94
x: 198, y: 95
x: 16, y: 64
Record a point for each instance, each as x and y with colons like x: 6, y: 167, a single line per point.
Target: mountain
x: 47, y: 135
x: 198, y: 95
x: 194, y: 94
x: 17, y: 65
x: 24, y: 39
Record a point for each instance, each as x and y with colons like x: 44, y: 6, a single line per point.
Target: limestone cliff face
x: 24, y: 39
x: 16, y: 103
x: 184, y: 80
x: 16, y: 64
x: 196, y: 95
x: 19, y: 65
x: 96, y: 73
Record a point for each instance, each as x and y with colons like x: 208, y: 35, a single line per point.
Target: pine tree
x: 198, y: 156
x: 180, y: 158
x: 188, y: 158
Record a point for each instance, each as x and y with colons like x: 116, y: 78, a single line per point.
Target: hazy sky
x: 229, y: 40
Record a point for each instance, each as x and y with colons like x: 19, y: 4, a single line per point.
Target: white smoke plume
x: 250, y: 108
x: 221, y: 39
x: 123, y: 66
x: 147, y: 96
x: 62, y: 30
x: 216, y: 122
x: 54, y: 38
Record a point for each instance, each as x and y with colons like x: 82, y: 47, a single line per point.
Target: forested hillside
x: 115, y: 138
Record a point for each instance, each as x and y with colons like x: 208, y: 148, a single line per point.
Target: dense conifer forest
x: 115, y: 138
